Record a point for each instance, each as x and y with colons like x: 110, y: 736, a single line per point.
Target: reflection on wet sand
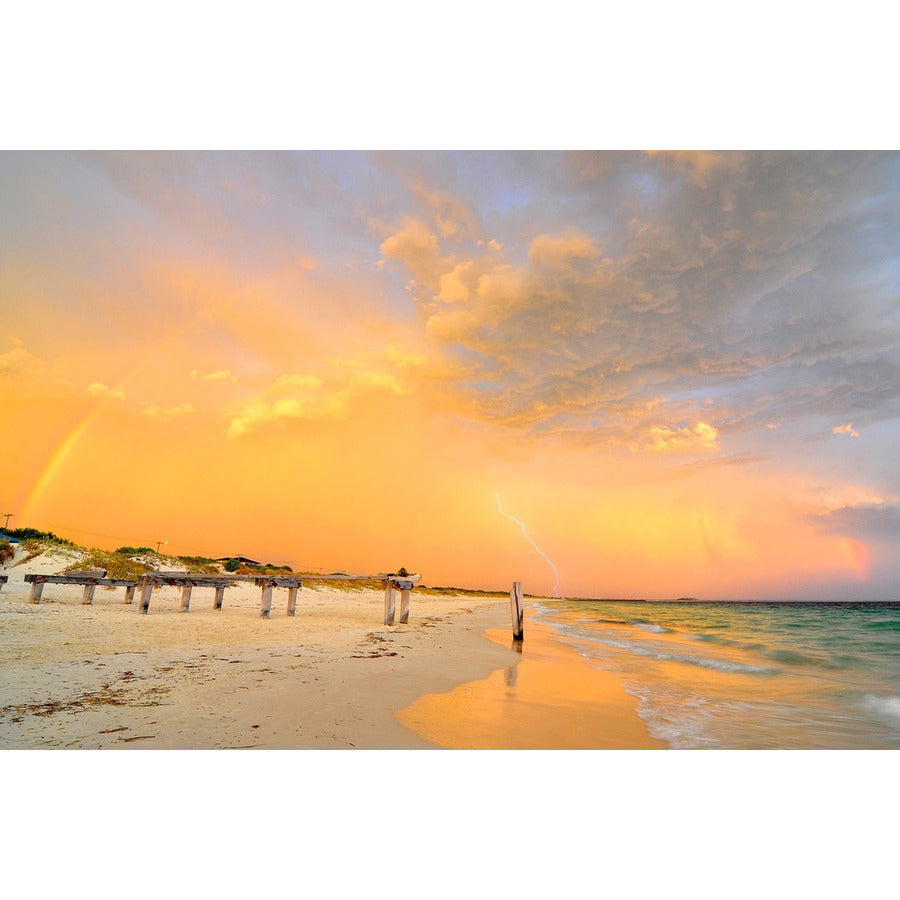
x: 550, y: 700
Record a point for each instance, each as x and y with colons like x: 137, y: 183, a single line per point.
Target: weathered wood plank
x: 404, y: 605
x: 78, y: 579
x: 146, y: 592
x: 266, y: 601
x: 86, y: 573
x: 389, y: 602
x: 279, y: 581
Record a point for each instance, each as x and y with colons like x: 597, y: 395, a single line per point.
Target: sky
x: 679, y: 371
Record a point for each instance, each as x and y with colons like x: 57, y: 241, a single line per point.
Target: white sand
x: 333, y: 676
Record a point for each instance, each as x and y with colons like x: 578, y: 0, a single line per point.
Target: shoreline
x: 548, y: 699
x: 102, y: 676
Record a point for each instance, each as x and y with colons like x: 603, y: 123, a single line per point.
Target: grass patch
x: 200, y: 565
x: 467, y: 592
x: 117, y: 565
x: 6, y: 551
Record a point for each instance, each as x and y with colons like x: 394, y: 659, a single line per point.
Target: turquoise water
x: 748, y: 675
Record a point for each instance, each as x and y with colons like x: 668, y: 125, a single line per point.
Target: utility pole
x: 6, y: 523
x: 158, y: 543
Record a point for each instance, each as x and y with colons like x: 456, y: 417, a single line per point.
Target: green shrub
x: 26, y: 534
x: 6, y: 551
x: 232, y: 565
x: 134, y: 551
x: 200, y: 565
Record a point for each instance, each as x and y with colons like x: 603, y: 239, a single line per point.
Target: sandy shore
x: 103, y: 676
x: 550, y: 699
x: 332, y: 676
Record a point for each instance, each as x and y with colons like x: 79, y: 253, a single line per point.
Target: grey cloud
x: 873, y: 521
x: 769, y: 282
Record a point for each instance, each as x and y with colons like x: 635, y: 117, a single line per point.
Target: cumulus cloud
x: 755, y: 287
x: 661, y: 439
x: 845, y: 429
x: 561, y: 250
x: 218, y: 375
x: 168, y: 412
x: 301, y: 396
x: 867, y: 521
x: 18, y: 360
x: 98, y: 389
x: 417, y: 247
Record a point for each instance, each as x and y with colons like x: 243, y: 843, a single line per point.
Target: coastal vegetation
x: 117, y: 565
x: 32, y: 534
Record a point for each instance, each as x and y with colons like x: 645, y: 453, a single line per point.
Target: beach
x: 103, y: 676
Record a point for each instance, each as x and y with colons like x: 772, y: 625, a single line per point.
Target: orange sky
x: 678, y: 370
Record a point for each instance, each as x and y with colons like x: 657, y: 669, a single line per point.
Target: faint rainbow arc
x: 68, y: 443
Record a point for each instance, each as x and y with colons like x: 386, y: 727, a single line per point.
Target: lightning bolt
x: 521, y: 525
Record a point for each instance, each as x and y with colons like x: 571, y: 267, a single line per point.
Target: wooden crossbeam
x: 89, y: 580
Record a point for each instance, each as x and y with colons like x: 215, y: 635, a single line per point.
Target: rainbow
x: 65, y: 447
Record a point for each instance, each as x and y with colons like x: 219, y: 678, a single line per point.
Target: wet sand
x: 550, y: 700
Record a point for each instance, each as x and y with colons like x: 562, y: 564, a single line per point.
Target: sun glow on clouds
x: 218, y: 375
x: 649, y: 342
x: 167, y: 412
x: 701, y: 437
x: 97, y: 389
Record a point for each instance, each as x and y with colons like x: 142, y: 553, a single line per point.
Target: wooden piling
x: 146, y: 591
x: 404, y: 605
x: 517, y: 611
x: 37, y: 588
x: 266, y: 604
x: 129, y: 593
x: 87, y: 596
x: 292, y: 601
x: 220, y: 596
x: 389, y: 602
x: 186, y: 597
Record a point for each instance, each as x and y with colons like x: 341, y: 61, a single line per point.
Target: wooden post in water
x: 129, y: 593
x: 186, y: 597
x: 37, y: 588
x: 87, y: 596
x: 220, y: 595
x: 517, y: 611
x: 266, y: 604
x: 389, y: 602
x: 292, y: 601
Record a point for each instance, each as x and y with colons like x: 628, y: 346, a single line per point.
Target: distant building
x: 240, y: 559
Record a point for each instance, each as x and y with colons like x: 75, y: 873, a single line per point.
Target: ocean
x: 747, y: 675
